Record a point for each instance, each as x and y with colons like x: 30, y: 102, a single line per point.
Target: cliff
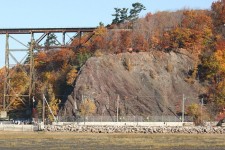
x: 145, y: 83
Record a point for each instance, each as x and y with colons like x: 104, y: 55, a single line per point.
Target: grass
x: 66, y: 141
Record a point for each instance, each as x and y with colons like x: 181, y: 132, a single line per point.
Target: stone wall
x: 134, y: 129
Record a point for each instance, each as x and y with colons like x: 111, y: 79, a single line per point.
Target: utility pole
x: 182, y: 119
x: 201, y: 108
x: 43, y: 110
x: 117, y: 109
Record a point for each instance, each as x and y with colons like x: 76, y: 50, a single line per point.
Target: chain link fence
x: 124, y: 119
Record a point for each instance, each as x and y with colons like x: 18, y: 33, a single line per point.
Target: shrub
x: 127, y: 64
x: 169, y: 67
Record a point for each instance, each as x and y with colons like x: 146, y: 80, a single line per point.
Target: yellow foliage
x: 19, y: 82
x: 71, y: 76
x: 199, y: 114
x: 17, y: 104
x: 100, y: 31
x: 98, y: 53
x: 127, y: 64
x: 49, y: 77
x: 220, y: 60
x: 87, y: 107
x: 53, y: 102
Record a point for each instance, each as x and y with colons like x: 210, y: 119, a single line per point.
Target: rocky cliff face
x: 138, y: 83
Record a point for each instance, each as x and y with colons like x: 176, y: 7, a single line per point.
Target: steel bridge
x: 37, y: 35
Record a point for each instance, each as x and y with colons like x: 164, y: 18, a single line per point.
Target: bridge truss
x: 26, y: 63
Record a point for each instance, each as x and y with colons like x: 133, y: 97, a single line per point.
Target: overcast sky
x: 76, y: 13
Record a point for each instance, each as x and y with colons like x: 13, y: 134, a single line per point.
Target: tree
x: 117, y: 16
x: 135, y: 11
x: 216, y: 74
x: 126, y: 38
x: 51, y: 40
x: 121, y: 14
x: 87, y: 107
x: 53, y: 103
x: 198, y: 113
x: 218, y: 12
x: 2, y: 76
x: 71, y: 76
x: 82, y: 57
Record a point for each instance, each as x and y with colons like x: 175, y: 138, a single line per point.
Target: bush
x: 169, y: 67
x: 127, y: 64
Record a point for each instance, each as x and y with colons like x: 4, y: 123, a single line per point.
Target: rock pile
x: 134, y: 129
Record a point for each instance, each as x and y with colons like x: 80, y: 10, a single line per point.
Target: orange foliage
x: 197, y: 19
x: 63, y: 55
x: 99, y: 38
x: 139, y: 43
x: 41, y: 57
x: 126, y: 38
x: 2, y: 75
x: 220, y: 44
x: 54, y: 57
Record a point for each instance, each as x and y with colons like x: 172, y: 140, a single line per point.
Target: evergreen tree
x: 117, y: 16
x: 135, y: 11
x: 121, y: 15
x: 51, y: 40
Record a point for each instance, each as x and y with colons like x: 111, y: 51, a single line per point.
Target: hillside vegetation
x: 198, y: 34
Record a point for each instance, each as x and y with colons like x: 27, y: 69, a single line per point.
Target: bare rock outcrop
x: 145, y: 83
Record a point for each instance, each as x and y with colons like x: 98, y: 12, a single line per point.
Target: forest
x: 200, y: 32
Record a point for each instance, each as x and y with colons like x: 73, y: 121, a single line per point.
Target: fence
x: 15, y: 127
x: 124, y: 119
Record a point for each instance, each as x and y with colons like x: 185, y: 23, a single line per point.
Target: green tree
x: 51, y: 40
x: 82, y: 57
x: 117, y: 16
x: 135, y: 11
x: 121, y: 14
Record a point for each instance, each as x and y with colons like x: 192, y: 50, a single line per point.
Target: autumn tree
x: 53, y: 103
x: 87, y: 107
x: 216, y: 74
x: 126, y: 38
x: 198, y: 113
x: 99, y: 39
x: 71, y: 76
x: 218, y: 12
x: 2, y: 77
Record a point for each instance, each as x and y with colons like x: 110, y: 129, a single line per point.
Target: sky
x: 76, y: 13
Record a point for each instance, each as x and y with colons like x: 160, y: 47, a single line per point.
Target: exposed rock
x: 147, y: 83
